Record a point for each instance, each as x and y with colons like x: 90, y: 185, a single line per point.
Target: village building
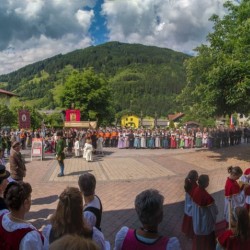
x: 5, y: 96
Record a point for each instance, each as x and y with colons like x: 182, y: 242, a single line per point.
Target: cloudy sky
x: 32, y: 30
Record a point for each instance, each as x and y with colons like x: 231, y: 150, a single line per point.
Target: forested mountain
x: 141, y: 78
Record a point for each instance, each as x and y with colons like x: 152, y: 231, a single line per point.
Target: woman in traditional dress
x: 182, y: 142
x: 137, y: 141
x: 121, y: 143
x: 189, y: 185
x: 204, y: 213
x: 143, y: 139
x: 126, y: 138
x: 165, y: 139
x: 157, y: 139
x: 191, y: 139
x: 198, y: 140
x: 186, y: 140
x: 239, y: 236
x: 151, y: 142
x: 149, y: 208
x: 173, y: 140
x: 204, y: 138
x: 15, y: 231
x: 68, y: 219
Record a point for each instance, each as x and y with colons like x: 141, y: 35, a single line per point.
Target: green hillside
x: 140, y: 78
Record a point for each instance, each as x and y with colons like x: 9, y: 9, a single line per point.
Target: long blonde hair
x: 73, y: 242
x: 68, y: 217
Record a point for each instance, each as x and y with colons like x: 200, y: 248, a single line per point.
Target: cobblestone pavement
x: 122, y: 174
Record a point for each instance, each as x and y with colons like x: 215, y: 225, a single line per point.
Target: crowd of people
x: 78, y: 214
x: 200, y: 211
x: 124, y: 138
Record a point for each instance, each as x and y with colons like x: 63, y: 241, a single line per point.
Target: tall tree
x: 7, y: 117
x: 88, y: 92
x: 218, y: 78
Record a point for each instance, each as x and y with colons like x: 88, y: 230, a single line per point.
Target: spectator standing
x: 204, y: 213
x: 17, y: 164
x: 149, y: 208
x: 234, y: 194
x: 68, y: 219
x: 77, y: 147
x: 15, y: 232
x: 4, y: 175
x: 92, y: 210
x: 60, y: 155
x: 189, y: 186
x: 88, y: 150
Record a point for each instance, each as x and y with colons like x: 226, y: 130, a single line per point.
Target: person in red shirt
x: 245, y: 178
x: 204, y: 212
x: 189, y: 186
x: 234, y: 194
x: 239, y: 236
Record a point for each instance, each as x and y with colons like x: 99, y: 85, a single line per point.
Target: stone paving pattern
x: 122, y: 173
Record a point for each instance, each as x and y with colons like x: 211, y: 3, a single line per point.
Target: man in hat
x: 4, y: 174
x: 17, y: 164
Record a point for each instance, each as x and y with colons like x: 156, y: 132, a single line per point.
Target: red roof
x: 173, y: 117
x: 5, y: 92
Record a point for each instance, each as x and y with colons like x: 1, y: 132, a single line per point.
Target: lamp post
x: 141, y: 119
x: 155, y: 119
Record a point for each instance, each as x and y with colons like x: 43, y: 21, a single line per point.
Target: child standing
x: 189, y: 185
x: 234, y: 195
x: 204, y: 213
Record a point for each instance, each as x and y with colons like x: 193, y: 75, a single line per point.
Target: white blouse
x: 31, y: 240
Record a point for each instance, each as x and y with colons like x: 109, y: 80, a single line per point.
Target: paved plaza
x: 122, y: 173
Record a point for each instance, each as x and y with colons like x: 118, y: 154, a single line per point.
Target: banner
x: 24, y: 118
x: 73, y: 115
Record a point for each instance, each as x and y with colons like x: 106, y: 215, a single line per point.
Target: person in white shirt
x: 77, y: 147
x: 149, y: 208
x: 87, y: 150
x: 68, y: 219
x: 15, y: 232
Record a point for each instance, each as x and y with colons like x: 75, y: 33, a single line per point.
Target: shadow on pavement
x: 239, y: 152
x: 78, y: 173
x: 45, y: 200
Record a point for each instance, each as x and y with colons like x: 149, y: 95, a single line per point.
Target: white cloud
x: 37, y: 29
x: 178, y: 24
x: 36, y: 49
x: 84, y: 18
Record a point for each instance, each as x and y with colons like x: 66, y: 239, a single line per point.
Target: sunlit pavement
x: 123, y: 173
